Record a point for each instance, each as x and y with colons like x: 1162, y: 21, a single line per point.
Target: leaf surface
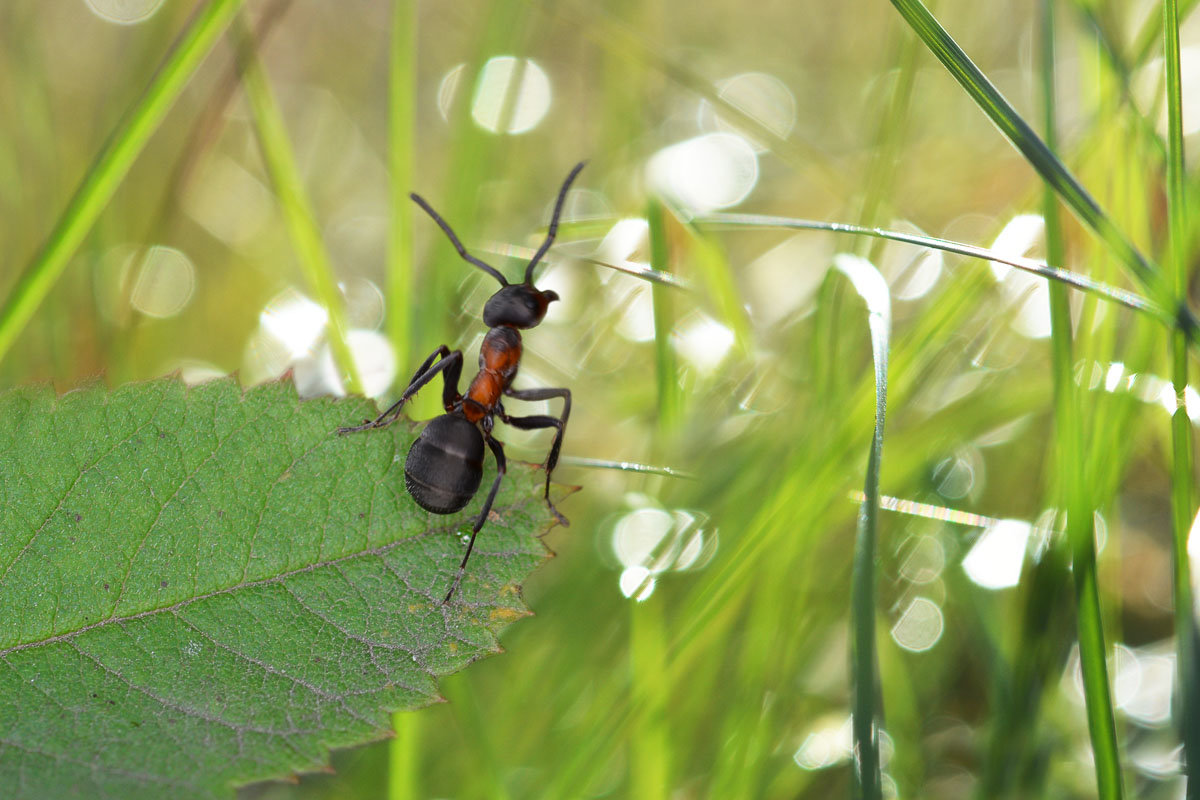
x: 201, y: 587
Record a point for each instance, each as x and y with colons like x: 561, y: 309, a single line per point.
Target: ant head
x: 520, y: 305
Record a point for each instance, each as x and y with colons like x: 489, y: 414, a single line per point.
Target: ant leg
x: 540, y: 421
x: 451, y: 363
x: 501, y: 469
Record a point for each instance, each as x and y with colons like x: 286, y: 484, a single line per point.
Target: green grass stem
x: 402, y: 92
x: 1183, y: 509
x: 404, y: 758
x: 112, y: 165
x: 880, y: 177
x: 1072, y: 472
x: 650, y: 743
x: 297, y: 212
x: 665, y: 370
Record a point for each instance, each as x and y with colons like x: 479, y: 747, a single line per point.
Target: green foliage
x: 201, y: 588
x: 111, y: 165
x: 731, y: 679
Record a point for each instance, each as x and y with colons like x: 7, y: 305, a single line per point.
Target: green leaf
x: 201, y: 587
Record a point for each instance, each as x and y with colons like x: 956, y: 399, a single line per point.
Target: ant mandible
x: 445, y: 464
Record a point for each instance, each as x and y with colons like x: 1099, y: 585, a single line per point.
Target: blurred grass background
x: 692, y: 637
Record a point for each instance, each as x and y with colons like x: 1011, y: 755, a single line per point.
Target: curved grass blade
x: 864, y: 664
x: 111, y: 166
x: 293, y: 201
x: 1043, y: 159
x: 1040, y: 268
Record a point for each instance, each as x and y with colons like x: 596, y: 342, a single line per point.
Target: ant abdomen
x: 445, y: 465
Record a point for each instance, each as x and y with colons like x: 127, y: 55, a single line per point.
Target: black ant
x: 445, y: 464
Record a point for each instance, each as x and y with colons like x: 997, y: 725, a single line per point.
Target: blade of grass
x: 1072, y: 471
x: 881, y: 172
x: 668, y: 385
x: 1052, y: 273
x: 625, y: 466
x: 402, y: 91
x: 486, y: 775
x: 301, y: 224
x: 404, y: 757
x: 708, y: 259
x: 1011, y: 767
x: 1111, y: 54
x: 864, y: 665
x: 635, y: 268
x: 650, y: 742
x: 1042, y: 159
x: 111, y: 166
x: 1187, y: 636
x: 1152, y: 28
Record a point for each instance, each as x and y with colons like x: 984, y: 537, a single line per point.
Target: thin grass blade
x: 402, y: 92
x: 301, y: 223
x: 1073, y: 487
x: 669, y: 399
x: 864, y: 664
x: 111, y: 166
x: 1187, y: 636
x: 1052, y: 273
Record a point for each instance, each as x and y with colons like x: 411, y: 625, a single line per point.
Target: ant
x: 445, y: 464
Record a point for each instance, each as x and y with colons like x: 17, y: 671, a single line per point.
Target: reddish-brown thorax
x: 499, y: 356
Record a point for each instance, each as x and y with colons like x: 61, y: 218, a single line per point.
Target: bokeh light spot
x: 529, y: 106
x: 994, y: 562
x: 295, y: 321
x: 716, y: 170
x: 1028, y: 294
x: 636, y: 307
x: 228, y: 201
x: 925, y: 561
x: 920, y: 626
x: 124, y: 12
x: 910, y: 270
x: 784, y: 280
x: 702, y: 341
x: 636, y: 583
x: 318, y: 374
x: 638, y: 533
x: 762, y: 97
x: 165, y: 283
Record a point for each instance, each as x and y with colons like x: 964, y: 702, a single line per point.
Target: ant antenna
x: 558, y: 207
x: 462, y: 251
